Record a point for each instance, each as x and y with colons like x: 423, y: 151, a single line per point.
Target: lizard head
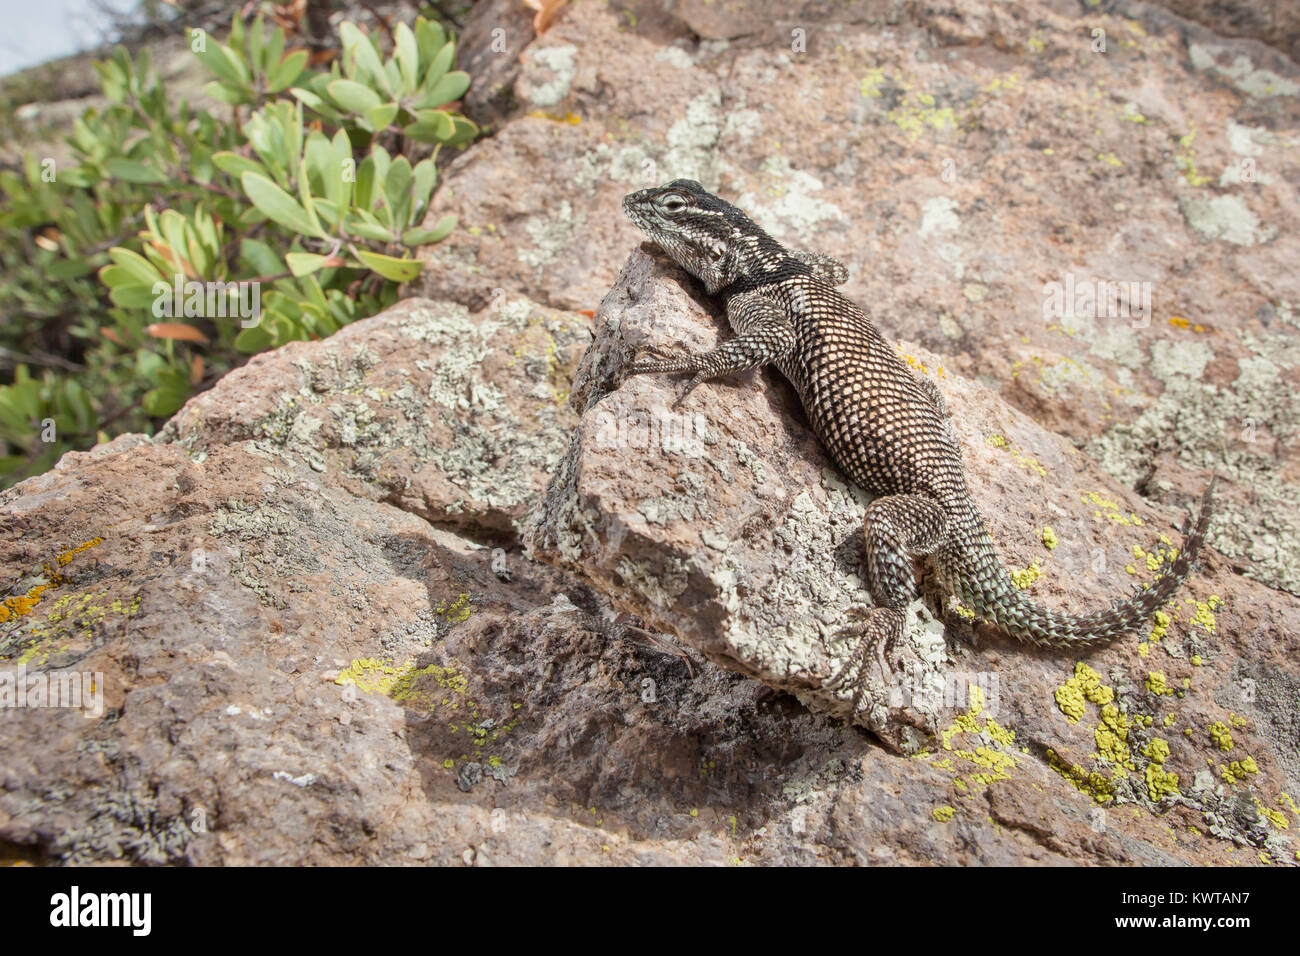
x: 703, y: 234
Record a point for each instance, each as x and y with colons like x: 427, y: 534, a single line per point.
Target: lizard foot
x: 876, y: 629
x: 666, y: 362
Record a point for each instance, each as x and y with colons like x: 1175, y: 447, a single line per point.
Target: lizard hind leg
x: 897, y: 528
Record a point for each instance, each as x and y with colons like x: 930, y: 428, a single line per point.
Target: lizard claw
x: 876, y: 629
x: 690, y: 386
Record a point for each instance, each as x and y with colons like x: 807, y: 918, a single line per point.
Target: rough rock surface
x: 295, y: 669
x: 970, y: 161
x: 319, y: 640
x: 720, y: 521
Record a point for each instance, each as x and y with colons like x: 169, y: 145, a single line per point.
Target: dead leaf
x: 176, y: 330
x: 546, y: 11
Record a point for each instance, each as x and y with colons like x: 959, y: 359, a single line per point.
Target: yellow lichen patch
x: 1155, y: 683
x: 1152, y: 559
x: 1029, y: 462
x: 870, y: 84
x: 68, y: 555
x: 993, y: 764
x: 1238, y: 769
x: 1275, y: 817
x: 1161, y: 627
x: 1112, y: 738
x: 914, y: 111
x: 1049, y: 538
x: 1221, y: 736
x: 1085, y: 685
x: 1010, y: 81
x: 1160, y: 782
x: 557, y: 378
x: 429, y: 689
x: 1204, y: 614
x: 71, y: 618
x: 1110, y: 509
x: 1089, y: 782
x: 570, y: 118
x: 1285, y: 798
x: 917, y: 112
x: 457, y: 611
x: 916, y: 363
x: 944, y: 814
x: 1185, y: 159
x: 1024, y: 577
x: 398, y: 681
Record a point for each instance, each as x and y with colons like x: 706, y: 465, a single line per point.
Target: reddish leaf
x: 176, y: 330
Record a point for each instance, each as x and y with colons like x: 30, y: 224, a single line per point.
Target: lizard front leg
x: 765, y: 336
x: 824, y: 267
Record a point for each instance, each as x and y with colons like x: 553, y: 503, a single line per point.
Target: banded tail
x: 977, y: 577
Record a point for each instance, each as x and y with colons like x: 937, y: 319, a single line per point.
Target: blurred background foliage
x: 128, y: 275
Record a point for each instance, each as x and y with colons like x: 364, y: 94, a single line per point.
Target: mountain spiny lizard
x: 886, y: 429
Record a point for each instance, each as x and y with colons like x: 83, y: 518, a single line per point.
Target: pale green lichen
x: 1265, y: 538
x: 560, y: 62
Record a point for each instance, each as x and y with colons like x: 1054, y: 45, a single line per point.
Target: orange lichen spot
x: 22, y: 604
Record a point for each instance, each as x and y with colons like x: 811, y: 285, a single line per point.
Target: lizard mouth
x: 630, y: 208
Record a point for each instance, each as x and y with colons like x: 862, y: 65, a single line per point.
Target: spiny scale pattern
x: 887, y: 429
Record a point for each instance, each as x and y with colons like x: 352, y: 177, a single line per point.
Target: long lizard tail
x: 977, y: 577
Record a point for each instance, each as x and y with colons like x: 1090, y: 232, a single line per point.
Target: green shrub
x: 181, y: 241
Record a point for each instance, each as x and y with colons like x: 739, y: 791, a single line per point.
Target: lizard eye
x: 673, y: 204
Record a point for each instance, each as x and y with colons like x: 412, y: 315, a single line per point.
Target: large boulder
x: 445, y: 588
x: 722, y: 522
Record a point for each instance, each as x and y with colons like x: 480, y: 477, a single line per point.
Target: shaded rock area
x: 446, y: 589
